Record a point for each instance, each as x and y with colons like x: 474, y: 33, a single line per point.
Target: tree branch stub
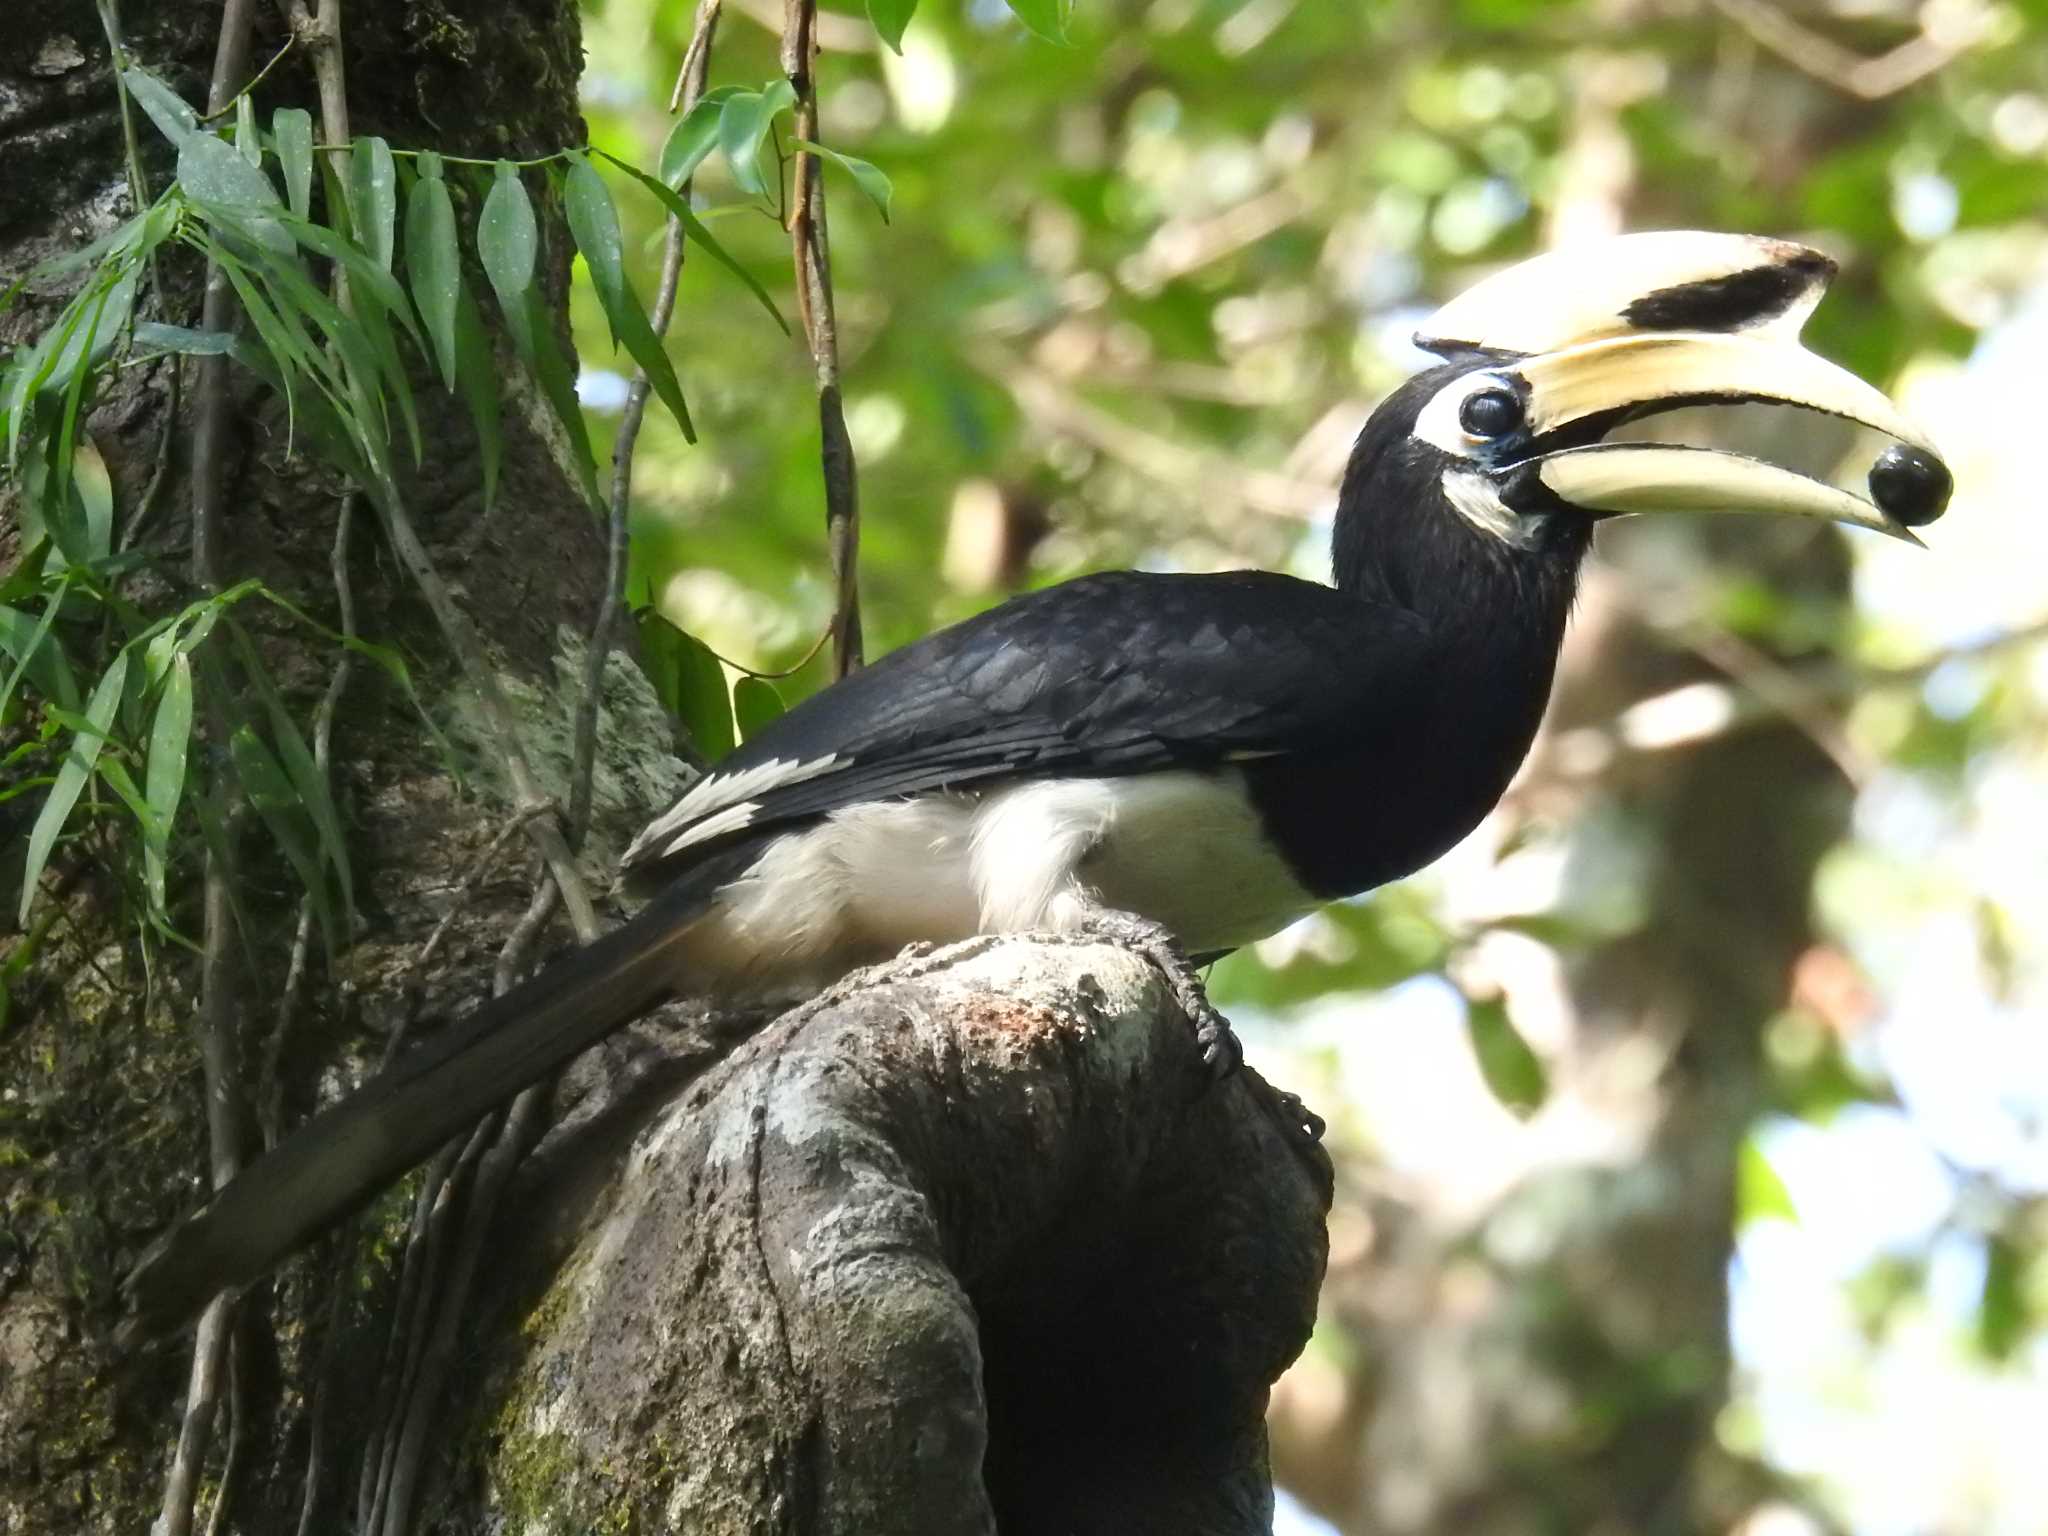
x: 965, y: 1244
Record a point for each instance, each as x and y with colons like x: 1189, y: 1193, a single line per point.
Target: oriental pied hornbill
x: 1162, y: 758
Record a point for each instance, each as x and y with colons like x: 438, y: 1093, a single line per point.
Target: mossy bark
x: 102, y: 1125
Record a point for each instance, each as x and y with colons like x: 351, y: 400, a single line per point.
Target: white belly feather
x: 1184, y: 849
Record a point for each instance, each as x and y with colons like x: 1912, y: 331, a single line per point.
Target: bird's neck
x: 1482, y: 599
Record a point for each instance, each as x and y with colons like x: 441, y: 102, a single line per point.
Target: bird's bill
x: 1614, y: 479
x: 1585, y: 390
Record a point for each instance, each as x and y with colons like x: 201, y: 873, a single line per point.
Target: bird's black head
x: 1491, y: 468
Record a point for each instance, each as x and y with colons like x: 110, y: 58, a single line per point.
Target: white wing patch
x: 721, y: 803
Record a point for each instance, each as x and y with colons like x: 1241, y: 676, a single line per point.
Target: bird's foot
x: 1221, y: 1052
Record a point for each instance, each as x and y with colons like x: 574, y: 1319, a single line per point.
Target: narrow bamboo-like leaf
x: 367, y: 351
x: 36, y: 656
x: 308, y: 782
x: 291, y: 128
x: 694, y: 228
x: 109, y: 319
x: 365, y: 276
x: 95, y: 489
x: 290, y: 346
x: 212, y: 174
x: 71, y: 780
x: 247, y: 144
x: 694, y: 136
x: 158, y: 337
x: 890, y: 18
x: 1512, y: 1070
x: 30, y: 371
x: 594, y: 224
x: 114, y: 774
x: 742, y: 125
x: 594, y: 221
x: 477, y: 370
x: 174, y: 119
x: 373, y: 188
x: 690, y: 683
x: 507, y: 239
x: 433, y: 264
x: 559, y: 385
x: 868, y: 178
x: 1048, y: 18
x: 755, y: 705
x: 270, y: 794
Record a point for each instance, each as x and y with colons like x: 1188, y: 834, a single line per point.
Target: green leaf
x: 71, y: 780
x: 743, y: 123
x: 594, y: 221
x: 35, y: 655
x: 865, y: 176
x: 689, y: 682
x: 890, y: 18
x: 476, y: 367
x: 755, y: 705
x: 2003, y: 1320
x: 694, y: 228
x: 166, y: 108
x: 1048, y: 18
x: 559, y: 385
x: 308, y: 783
x: 170, y: 740
x: 247, y: 143
x: 213, y: 174
x: 693, y: 137
x: 158, y: 337
x: 365, y: 275
x: 1760, y: 1194
x: 95, y: 488
x: 433, y: 264
x: 271, y: 796
x: 507, y: 239
x: 373, y: 197
x: 1510, y: 1068
x: 292, y: 130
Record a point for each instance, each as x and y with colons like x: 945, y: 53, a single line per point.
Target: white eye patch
x: 1438, y: 422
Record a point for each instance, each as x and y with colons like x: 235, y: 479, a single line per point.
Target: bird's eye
x: 1490, y: 412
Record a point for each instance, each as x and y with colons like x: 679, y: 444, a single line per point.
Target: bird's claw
x: 1222, y: 1054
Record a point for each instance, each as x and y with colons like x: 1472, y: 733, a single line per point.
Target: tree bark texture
x: 967, y: 1244
x: 103, y: 1126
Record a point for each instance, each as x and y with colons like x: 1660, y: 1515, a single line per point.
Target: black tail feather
x: 337, y: 1161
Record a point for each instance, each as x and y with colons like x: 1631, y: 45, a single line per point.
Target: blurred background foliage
x: 1766, y: 1254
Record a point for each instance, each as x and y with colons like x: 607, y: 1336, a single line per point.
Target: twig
x: 696, y: 68
x: 195, y: 1434
x: 277, y: 58
x: 1867, y: 79
x: 836, y: 33
x: 809, y: 240
x: 414, y: 984
x: 270, y: 1092
x: 219, y: 1002
x: 235, y: 1465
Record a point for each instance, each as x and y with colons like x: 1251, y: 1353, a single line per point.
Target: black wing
x: 1119, y: 673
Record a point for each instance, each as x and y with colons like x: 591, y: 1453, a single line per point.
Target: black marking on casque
x: 1730, y: 303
